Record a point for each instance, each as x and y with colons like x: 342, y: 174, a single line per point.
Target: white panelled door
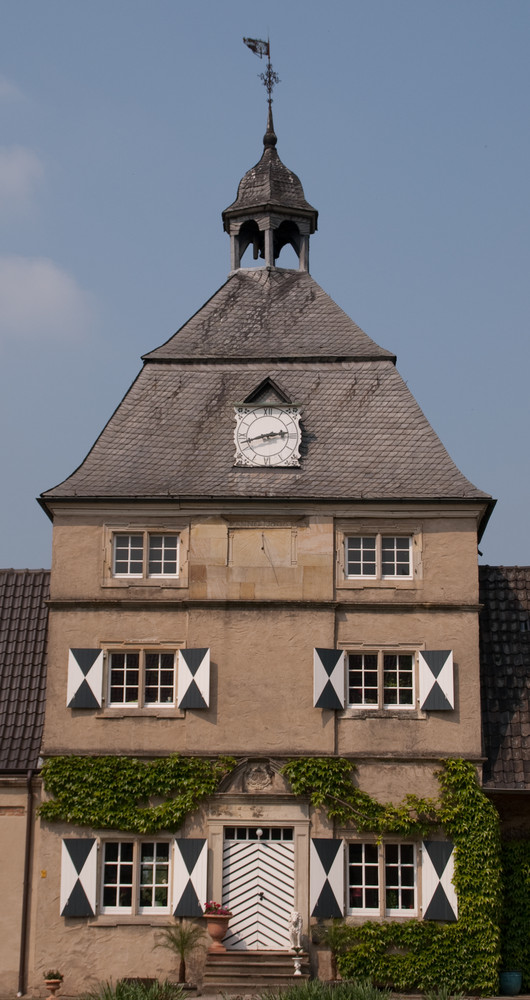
x: 258, y: 886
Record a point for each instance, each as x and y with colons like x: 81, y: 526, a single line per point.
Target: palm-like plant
x: 182, y: 939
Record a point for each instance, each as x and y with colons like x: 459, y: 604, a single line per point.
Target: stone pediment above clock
x: 268, y: 391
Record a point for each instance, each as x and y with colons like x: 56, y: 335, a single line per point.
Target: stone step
x: 248, y: 971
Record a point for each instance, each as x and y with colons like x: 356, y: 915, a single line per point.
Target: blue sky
x: 125, y: 128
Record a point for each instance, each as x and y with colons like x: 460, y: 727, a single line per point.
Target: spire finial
x: 269, y: 78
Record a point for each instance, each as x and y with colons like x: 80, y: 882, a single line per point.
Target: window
x: 135, y: 877
x: 141, y: 678
x: 383, y: 557
x: 381, y: 879
x: 143, y: 554
x: 381, y: 679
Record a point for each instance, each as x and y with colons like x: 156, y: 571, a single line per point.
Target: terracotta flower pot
x: 52, y: 985
x: 217, y: 926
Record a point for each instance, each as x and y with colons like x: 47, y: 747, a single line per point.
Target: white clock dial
x: 267, y: 435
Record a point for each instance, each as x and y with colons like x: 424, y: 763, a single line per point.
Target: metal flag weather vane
x: 269, y: 78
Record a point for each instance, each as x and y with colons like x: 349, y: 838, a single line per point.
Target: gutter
x: 26, y: 887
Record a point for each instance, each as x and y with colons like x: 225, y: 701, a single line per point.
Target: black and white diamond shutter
x: 436, y: 680
x: 78, y: 877
x: 328, y: 678
x: 438, y: 892
x: 85, y: 678
x: 190, y: 872
x: 193, y: 688
x: 326, y: 886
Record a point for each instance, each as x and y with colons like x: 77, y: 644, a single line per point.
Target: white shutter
x: 326, y: 889
x: 190, y: 870
x: 85, y: 678
x: 328, y: 678
x: 78, y: 877
x: 193, y: 688
x: 438, y: 892
x: 436, y: 680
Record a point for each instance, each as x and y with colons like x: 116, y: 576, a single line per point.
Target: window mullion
x: 141, y: 678
x: 378, y: 556
x: 136, y: 879
x: 380, y: 680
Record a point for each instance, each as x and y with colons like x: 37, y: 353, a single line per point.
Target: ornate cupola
x: 270, y: 210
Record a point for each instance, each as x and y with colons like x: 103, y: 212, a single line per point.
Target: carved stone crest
x: 257, y: 777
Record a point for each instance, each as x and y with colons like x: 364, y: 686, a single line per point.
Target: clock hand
x: 269, y: 434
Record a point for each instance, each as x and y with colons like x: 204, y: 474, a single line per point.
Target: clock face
x: 267, y: 435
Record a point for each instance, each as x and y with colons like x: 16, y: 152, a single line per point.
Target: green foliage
x: 182, y: 939
x: 327, y: 782
x: 314, y: 989
x: 515, y: 923
x: 135, y: 990
x: 116, y: 793
x: 442, y: 993
x: 421, y: 954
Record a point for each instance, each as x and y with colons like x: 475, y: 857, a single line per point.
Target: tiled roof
x: 505, y: 675
x: 23, y: 624
x: 363, y: 437
x: 262, y: 313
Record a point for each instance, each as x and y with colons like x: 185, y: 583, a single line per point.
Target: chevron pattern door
x: 258, y: 887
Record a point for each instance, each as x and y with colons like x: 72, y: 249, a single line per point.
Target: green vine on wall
x: 327, y: 782
x: 122, y: 793
x: 421, y: 954
x: 146, y: 797
x: 515, y: 924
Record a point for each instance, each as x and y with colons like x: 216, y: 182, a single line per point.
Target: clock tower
x: 266, y: 556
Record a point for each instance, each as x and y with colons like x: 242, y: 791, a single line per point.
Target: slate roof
x: 363, y: 434
x: 505, y: 675
x: 23, y: 625
x: 270, y: 184
x: 269, y: 313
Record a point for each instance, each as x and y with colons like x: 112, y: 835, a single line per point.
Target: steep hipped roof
x: 269, y: 313
x: 23, y: 625
x: 505, y: 675
x: 363, y: 436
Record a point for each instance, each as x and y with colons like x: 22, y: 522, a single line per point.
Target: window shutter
x: 193, y: 678
x: 438, y: 892
x: 189, y: 877
x: 78, y: 877
x: 326, y: 888
x: 328, y: 678
x: 436, y: 680
x: 85, y: 678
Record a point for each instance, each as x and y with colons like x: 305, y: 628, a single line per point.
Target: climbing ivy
x: 515, y: 923
x: 327, y: 782
x: 417, y: 954
x: 121, y: 793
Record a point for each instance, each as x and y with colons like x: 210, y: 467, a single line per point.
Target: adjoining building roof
x: 23, y: 625
x: 505, y: 675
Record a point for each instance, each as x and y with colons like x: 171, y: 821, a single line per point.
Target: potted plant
x: 217, y: 917
x: 181, y: 939
x: 52, y: 980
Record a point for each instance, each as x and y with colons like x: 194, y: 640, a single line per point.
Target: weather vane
x: 269, y: 78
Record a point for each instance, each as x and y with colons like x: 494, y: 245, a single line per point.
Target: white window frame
x: 379, y: 538
x: 140, y: 701
x: 135, y: 909
x: 381, y: 703
x: 146, y: 536
x: 382, y: 911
